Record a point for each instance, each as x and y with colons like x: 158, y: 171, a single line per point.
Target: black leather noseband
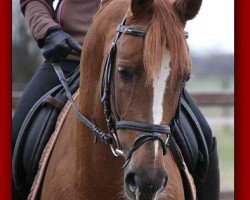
x: 149, y: 132
x: 142, y: 126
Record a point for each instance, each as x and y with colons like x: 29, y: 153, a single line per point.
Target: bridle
x: 150, y: 132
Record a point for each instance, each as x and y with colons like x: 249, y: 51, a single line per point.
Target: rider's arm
x: 40, y: 17
x: 55, y: 43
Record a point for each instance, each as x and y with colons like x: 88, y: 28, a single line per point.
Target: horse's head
x: 147, y: 76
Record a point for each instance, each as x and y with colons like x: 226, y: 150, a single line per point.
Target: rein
x: 98, y: 133
x: 150, y: 132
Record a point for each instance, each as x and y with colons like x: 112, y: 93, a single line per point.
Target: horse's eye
x: 124, y: 73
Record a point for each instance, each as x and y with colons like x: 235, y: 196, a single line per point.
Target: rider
x: 60, y: 34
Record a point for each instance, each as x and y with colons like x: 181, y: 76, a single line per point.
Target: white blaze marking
x: 159, y: 86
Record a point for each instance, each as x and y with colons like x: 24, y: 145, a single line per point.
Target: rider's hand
x: 58, y: 44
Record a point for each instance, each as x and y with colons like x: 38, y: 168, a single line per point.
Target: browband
x: 137, y: 31
x: 131, y: 31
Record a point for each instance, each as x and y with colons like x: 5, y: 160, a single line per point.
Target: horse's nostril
x: 146, y: 182
x: 131, y: 181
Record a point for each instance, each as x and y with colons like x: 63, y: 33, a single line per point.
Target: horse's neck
x: 97, y: 166
x: 95, y: 163
x: 80, y: 167
x: 77, y: 165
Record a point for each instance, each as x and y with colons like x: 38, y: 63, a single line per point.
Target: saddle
x: 35, y: 132
x: 190, y: 131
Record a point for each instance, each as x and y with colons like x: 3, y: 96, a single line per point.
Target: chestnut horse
x: 150, y: 67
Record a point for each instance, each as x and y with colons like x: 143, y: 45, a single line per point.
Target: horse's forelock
x: 165, y: 31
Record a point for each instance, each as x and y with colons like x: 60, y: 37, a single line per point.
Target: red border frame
x: 242, y: 96
x: 242, y: 108
x: 5, y: 100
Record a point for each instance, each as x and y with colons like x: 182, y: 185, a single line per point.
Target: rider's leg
x: 210, y: 189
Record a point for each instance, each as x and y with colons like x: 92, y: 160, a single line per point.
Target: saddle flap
x: 189, y: 135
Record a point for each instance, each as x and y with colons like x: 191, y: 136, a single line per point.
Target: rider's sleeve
x: 39, y: 16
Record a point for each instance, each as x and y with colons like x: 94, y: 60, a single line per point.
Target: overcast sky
x: 213, y: 27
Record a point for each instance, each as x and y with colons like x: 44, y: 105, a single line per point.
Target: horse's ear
x: 187, y: 9
x: 139, y: 7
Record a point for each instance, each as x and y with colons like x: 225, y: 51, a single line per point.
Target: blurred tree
x: 26, y: 55
x: 213, y: 65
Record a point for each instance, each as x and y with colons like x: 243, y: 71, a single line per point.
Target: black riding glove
x: 58, y: 44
